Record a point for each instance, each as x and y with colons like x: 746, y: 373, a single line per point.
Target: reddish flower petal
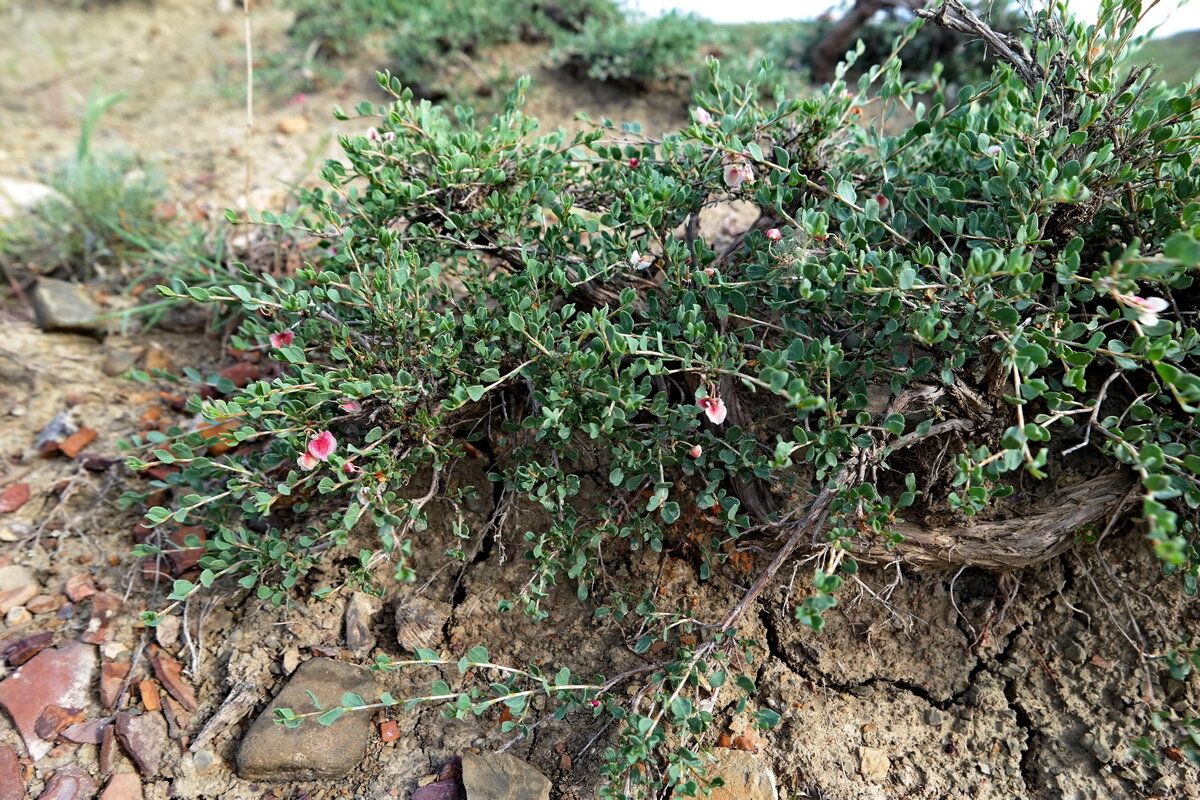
x: 774, y: 234
x: 322, y: 445
x: 714, y: 409
x: 307, y: 462
x: 282, y: 339
x: 696, y: 451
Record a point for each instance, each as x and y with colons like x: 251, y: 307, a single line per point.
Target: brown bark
x: 1049, y: 529
x: 837, y: 40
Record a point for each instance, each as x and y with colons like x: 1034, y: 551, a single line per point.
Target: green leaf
x: 475, y: 392
x: 331, y: 716
x: 478, y: 655
x: 350, y: 699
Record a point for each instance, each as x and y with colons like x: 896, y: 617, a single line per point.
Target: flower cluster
x: 320, y: 448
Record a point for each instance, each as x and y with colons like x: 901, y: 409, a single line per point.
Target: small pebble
x: 17, y: 616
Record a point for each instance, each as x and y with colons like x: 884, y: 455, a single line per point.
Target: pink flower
x: 282, y: 339
x: 350, y: 406
x: 881, y: 200
x: 710, y: 271
x: 299, y: 99
x: 322, y: 445
x: 737, y: 171
x: 702, y: 116
x: 714, y: 408
x: 995, y: 150
x: 307, y: 462
x: 595, y: 704
x: 633, y: 162
x: 351, y: 468
x: 774, y: 235
x: 372, y: 135
x: 1148, y: 307
x: 696, y: 451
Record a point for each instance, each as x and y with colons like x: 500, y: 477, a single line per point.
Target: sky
x: 1167, y: 14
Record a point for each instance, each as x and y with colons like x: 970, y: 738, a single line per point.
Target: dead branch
x: 1047, y: 531
x: 953, y: 15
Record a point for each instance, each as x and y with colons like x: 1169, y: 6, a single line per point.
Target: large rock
x: 500, y: 776
x: 63, y: 307
x: 746, y: 776
x: 311, y: 750
x: 61, y: 677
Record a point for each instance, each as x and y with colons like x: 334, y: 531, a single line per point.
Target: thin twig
x: 249, y: 98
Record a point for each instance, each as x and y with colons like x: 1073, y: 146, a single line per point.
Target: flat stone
x: 292, y: 125
x: 118, y: 362
x: 64, y: 307
x: 69, y: 783
x: 420, y: 622
x: 166, y: 632
x: 438, y: 790
x: 123, y: 786
x: 90, y: 732
x: 104, y: 611
x: 45, y: 603
x: 56, y: 719
x: 873, y: 763
x: 17, y: 585
x: 19, y: 651
x: 499, y: 776
x: 16, y: 617
x: 747, y: 777
x: 144, y: 737
x: 170, y: 674
x: 112, y: 676
x: 310, y: 750
x: 12, y: 782
x: 59, y: 677
x: 108, y: 750
x: 14, y: 497
x: 80, y: 586
x: 360, y: 612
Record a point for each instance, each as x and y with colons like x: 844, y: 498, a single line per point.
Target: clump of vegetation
x: 423, y: 40
x: 636, y: 52
x: 924, y: 330
x: 103, y: 211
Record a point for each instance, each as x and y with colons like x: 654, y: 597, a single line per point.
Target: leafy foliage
x: 1028, y: 249
x: 637, y: 52
x: 423, y: 38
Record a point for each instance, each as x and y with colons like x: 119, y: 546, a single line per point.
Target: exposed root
x: 1046, y: 532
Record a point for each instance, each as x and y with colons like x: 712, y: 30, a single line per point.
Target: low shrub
x: 931, y: 328
x: 103, y: 210
x: 636, y: 52
x: 424, y: 40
